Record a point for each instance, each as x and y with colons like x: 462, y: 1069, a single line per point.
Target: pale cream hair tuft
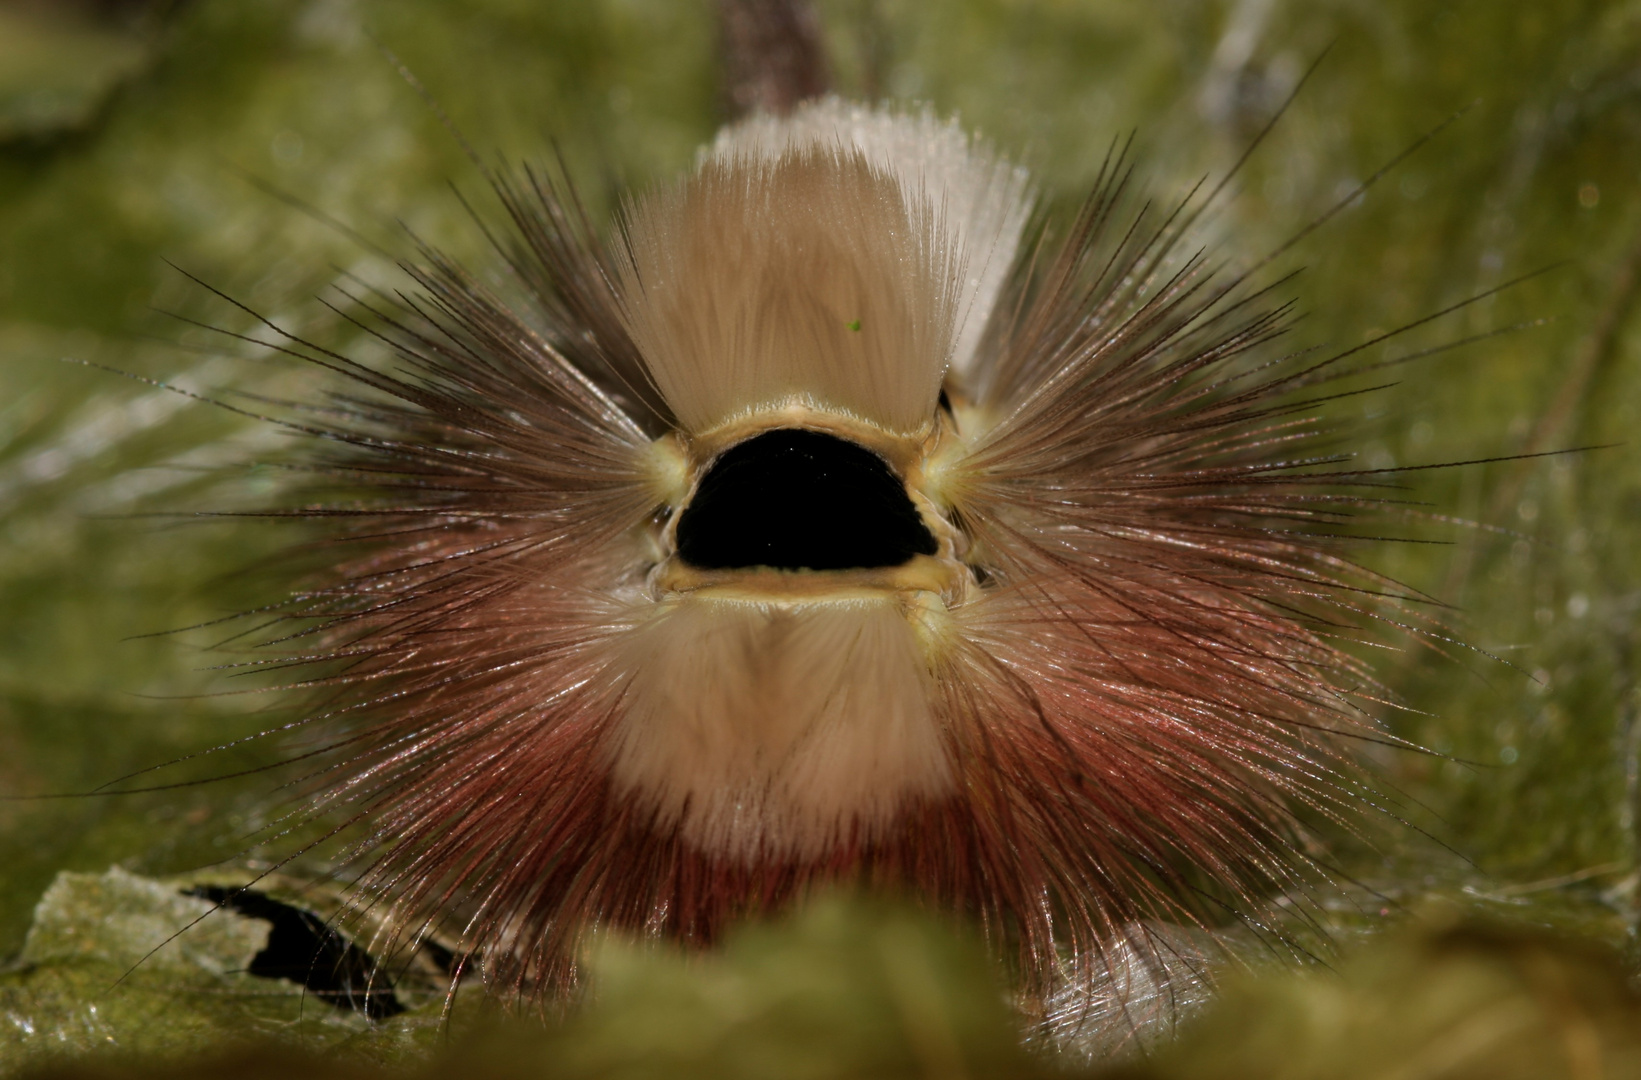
x: 983, y: 199
x: 755, y: 284
x: 777, y: 730
x: 839, y: 258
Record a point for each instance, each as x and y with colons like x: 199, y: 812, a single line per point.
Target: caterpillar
x: 836, y: 518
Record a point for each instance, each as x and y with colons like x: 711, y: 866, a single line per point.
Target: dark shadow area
x: 304, y: 949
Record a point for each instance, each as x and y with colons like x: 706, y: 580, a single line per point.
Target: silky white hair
x: 776, y: 729
x: 982, y: 199
x: 840, y: 257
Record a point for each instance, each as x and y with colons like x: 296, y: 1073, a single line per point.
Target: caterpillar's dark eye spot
x: 794, y: 500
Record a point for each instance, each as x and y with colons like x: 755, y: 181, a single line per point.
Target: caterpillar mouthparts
x: 833, y: 523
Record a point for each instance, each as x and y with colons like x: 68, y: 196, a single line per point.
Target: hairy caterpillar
x: 805, y: 532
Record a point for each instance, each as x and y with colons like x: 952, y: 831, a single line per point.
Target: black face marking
x: 801, y: 500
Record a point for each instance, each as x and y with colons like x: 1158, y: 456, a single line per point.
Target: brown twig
x: 773, y: 55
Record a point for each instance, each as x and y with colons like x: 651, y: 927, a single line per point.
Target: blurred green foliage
x: 130, y: 136
x: 843, y: 991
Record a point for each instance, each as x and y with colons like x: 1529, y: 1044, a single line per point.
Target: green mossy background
x: 131, y: 136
